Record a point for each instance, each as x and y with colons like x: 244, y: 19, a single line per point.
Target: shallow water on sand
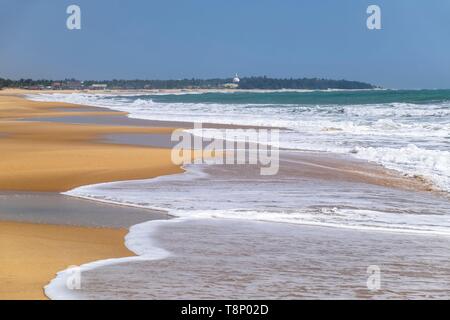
x: 309, y: 232
x: 314, y: 190
x: 216, y: 259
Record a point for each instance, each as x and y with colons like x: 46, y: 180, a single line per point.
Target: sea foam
x: 139, y: 240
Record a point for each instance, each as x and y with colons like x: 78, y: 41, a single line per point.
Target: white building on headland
x: 234, y: 84
x: 99, y: 86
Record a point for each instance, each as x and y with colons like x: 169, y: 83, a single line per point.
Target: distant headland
x: 246, y: 83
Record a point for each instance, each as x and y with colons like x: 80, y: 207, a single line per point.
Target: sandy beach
x: 49, y: 148
x: 51, y: 157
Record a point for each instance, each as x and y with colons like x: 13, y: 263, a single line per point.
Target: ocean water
x: 240, y: 235
x: 228, y: 259
x: 408, y: 131
x: 241, y: 193
x: 293, y: 235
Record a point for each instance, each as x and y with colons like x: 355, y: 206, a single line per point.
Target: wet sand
x: 58, y: 209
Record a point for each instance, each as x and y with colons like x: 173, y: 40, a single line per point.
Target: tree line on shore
x: 245, y: 83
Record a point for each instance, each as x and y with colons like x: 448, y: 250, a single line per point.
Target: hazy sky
x: 152, y: 39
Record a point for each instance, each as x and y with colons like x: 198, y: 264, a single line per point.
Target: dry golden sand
x: 31, y: 254
x: 38, y: 156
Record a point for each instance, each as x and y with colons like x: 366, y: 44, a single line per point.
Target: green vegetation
x: 22, y: 83
x: 305, y: 83
x: 245, y: 83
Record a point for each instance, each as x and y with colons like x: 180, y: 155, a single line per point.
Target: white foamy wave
x: 139, y: 240
x: 345, y: 218
x: 320, y: 118
x: 412, y: 160
x: 326, y: 216
x: 281, y: 199
x: 405, y: 110
x: 75, y: 98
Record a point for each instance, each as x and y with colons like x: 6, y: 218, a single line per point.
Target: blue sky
x: 161, y: 39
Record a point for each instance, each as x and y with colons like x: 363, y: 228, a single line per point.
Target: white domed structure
x: 236, y: 79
